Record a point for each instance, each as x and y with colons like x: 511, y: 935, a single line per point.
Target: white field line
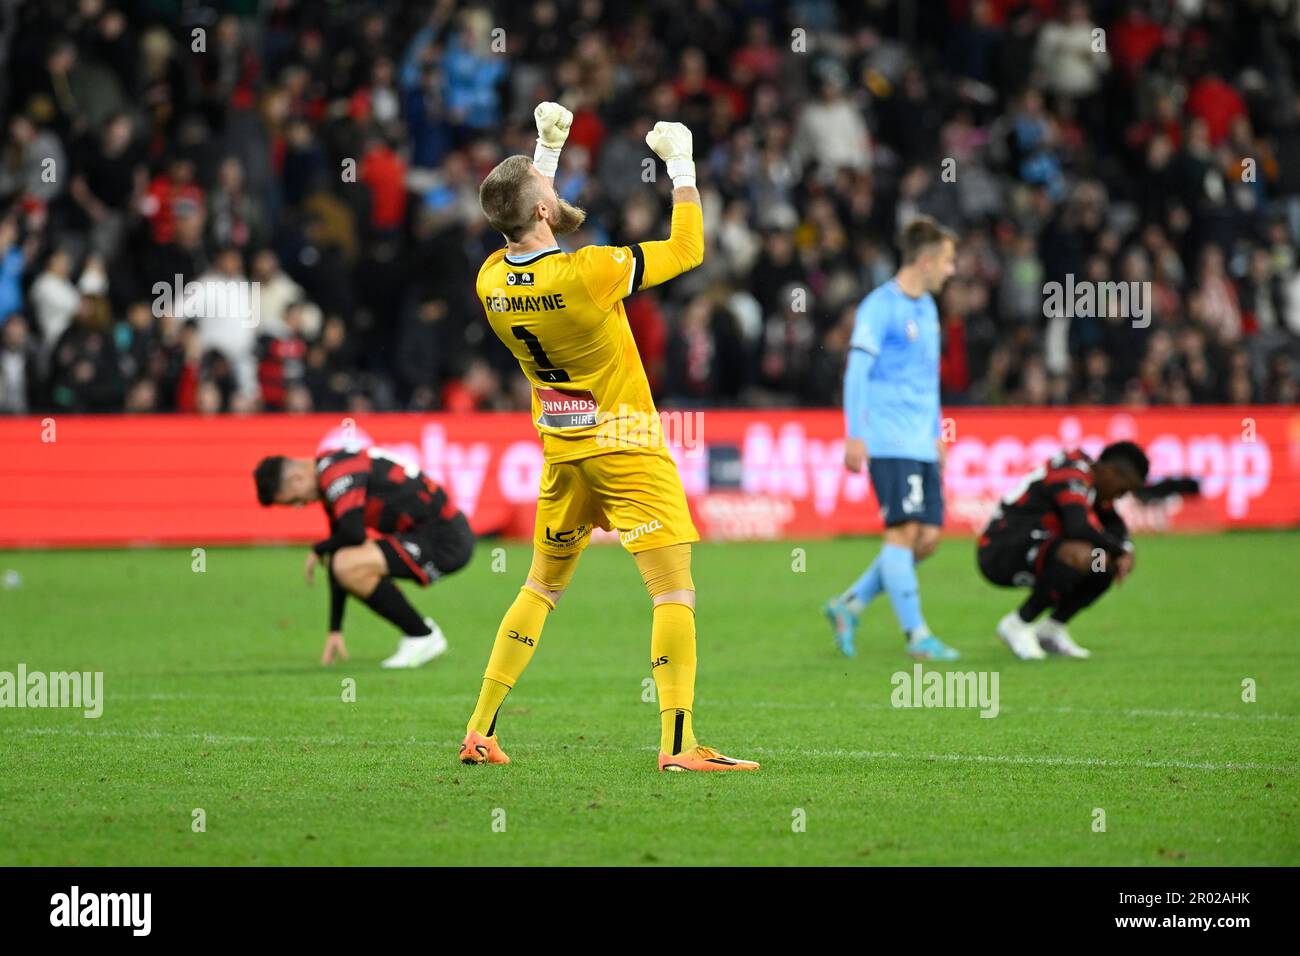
x: 1033, y: 760
x: 1173, y: 714
x: 1154, y: 712
x: 358, y: 740
x: 1014, y: 759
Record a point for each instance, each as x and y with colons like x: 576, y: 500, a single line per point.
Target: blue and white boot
x: 845, y: 624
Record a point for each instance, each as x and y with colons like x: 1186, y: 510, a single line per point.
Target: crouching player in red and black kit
x: 1057, y: 532
x: 421, y: 537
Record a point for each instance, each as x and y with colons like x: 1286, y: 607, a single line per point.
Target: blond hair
x: 508, y: 196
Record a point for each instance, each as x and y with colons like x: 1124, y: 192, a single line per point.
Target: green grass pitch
x: 215, y: 701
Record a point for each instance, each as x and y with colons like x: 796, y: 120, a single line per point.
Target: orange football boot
x: 703, y: 758
x: 479, y: 749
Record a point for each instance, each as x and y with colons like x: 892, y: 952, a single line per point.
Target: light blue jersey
x: 891, y: 387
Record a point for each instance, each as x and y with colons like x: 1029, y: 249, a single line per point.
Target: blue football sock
x: 898, y: 571
x: 865, y: 588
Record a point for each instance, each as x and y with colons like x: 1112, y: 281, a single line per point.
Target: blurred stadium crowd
x: 819, y: 128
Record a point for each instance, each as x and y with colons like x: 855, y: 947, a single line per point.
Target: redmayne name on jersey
x: 526, y: 303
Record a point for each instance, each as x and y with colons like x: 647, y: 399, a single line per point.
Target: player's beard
x: 567, y: 218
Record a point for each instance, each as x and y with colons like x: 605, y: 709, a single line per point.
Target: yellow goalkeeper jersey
x: 561, y: 315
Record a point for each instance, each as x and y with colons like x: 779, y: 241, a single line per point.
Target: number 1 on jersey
x: 546, y: 369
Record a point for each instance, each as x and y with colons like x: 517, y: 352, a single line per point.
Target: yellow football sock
x: 516, y: 640
x: 490, y: 697
x: 672, y: 663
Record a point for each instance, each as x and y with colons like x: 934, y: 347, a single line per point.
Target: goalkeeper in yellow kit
x: 561, y: 315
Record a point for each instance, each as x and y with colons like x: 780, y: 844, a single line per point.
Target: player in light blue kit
x: 892, y: 421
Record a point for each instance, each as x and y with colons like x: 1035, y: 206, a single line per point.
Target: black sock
x: 1056, y: 581
x: 1092, y: 586
x: 389, y: 603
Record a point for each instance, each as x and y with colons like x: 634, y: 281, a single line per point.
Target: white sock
x: 1051, y: 627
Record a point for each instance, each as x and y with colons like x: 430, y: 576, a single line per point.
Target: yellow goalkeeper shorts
x: 637, y: 493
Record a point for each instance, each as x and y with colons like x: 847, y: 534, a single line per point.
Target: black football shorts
x: 1014, y: 559
x: 429, y: 550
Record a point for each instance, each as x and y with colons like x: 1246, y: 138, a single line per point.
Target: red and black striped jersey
x: 1059, y: 497
x: 373, y: 489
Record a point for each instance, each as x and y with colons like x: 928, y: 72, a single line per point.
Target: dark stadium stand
x: 332, y: 153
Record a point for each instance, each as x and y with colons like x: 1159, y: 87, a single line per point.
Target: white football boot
x: 1055, y: 639
x: 414, y: 651
x: 1020, y: 637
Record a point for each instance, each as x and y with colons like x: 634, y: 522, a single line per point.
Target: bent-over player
x: 1057, y: 532
x: 422, y: 537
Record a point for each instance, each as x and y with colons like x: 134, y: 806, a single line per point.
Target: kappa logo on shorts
x: 640, y: 531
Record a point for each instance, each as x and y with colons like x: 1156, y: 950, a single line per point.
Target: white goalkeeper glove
x: 673, y: 142
x: 553, y: 122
